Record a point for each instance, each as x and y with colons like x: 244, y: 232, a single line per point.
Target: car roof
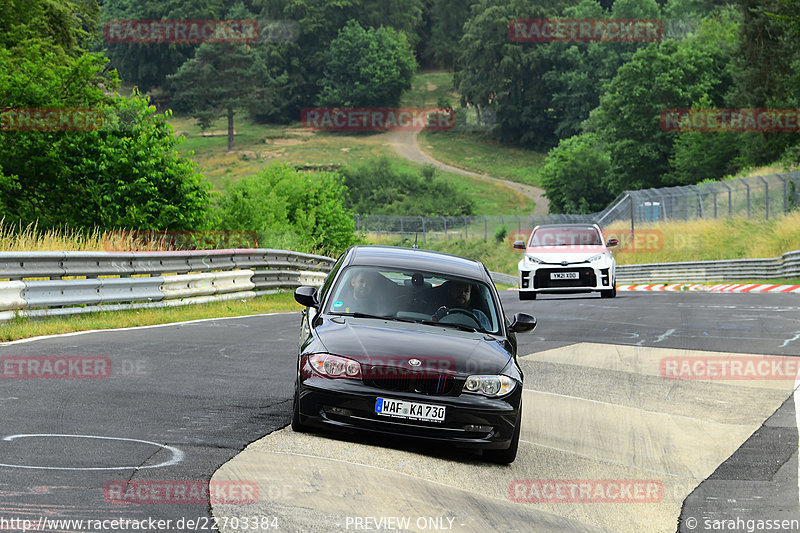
x: 567, y: 226
x: 416, y: 259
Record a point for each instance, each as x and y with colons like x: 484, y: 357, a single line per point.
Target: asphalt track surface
x: 182, y: 402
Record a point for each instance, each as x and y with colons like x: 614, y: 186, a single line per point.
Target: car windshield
x: 582, y: 236
x: 415, y: 296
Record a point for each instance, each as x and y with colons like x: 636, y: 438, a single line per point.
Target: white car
x: 564, y: 258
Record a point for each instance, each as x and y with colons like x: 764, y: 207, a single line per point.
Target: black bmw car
x: 403, y: 341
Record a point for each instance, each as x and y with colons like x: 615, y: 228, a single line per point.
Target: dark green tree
x: 220, y: 78
x: 147, y: 65
x: 574, y: 175
x: 367, y: 67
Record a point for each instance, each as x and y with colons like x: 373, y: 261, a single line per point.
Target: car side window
x: 331, y: 276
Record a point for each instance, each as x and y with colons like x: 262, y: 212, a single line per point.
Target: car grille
x: 586, y: 278
x: 403, y: 380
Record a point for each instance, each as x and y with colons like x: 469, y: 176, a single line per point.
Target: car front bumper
x: 471, y: 421
x: 589, y: 278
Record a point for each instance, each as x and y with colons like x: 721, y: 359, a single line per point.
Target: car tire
x: 508, y: 455
x: 612, y: 293
x: 527, y: 295
x: 297, y: 426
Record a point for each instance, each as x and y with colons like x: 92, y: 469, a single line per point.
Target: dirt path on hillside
x: 405, y: 143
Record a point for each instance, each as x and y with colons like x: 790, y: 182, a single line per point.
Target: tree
x: 70, y: 25
x: 505, y: 77
x: 290, y: 208
x: 147, y: 65
x: 659, y: 77
x: 574, y: 175
x: 379, y: 188
x: 366, y: 67
x: 447, y: 18
x: 221, y: 78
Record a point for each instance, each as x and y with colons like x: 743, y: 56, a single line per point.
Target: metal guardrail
x: 52, y: 283
x: 786, y: 266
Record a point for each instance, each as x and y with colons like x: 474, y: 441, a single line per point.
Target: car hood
x: 390, y: 343
x: 573, y: 254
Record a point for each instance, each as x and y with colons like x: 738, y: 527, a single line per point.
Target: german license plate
x: 409, y: 410
x: 564, y: 275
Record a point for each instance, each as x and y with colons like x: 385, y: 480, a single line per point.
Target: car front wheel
x: 611, y: 293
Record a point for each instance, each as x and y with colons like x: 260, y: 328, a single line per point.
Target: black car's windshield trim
x: 412, y: 321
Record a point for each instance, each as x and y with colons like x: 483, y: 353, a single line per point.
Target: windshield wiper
x: 447, y: 324
x: 366, y: 315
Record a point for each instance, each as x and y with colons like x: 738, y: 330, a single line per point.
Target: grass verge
x: 22, y: 328
x: 473, y: 151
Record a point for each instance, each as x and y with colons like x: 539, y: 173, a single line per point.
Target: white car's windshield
x: 583, y: 236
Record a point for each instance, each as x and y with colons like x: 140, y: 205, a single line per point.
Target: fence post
x: 730, y: 200
x: 379, y: 226
x: 402, y: 233
x: 748, y: 196
x: 485, y: 229
x: 446, y: 236
x: 466, y: 229
x: 785, y: 206
x: 423, y: 228
x: 766, y: 195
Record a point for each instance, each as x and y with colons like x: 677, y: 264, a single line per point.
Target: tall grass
x: 31, y: 238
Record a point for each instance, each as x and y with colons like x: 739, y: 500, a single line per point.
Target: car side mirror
x: 520, y: 245
x: 612, y: 242
x: 306, y: 296
x: 522, y: 322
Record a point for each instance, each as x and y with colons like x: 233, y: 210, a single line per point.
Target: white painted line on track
x: 177, y: 455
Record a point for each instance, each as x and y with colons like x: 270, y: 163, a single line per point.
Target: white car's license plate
x: 564, y: 275
x: 409, y: 410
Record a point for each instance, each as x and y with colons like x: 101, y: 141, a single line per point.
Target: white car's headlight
x: 534, y: 259
x: 492, y: 386
x: 598, y: 257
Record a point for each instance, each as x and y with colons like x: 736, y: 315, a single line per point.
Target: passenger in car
x: 458, y: 295
x: 367, y: 295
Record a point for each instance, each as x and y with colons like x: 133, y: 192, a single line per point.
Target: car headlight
x: 534, y: 259
x: 598, y: 257
x: 334, y: 366
x: 493, y: 386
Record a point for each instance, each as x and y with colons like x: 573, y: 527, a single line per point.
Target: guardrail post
x: 402, y: 233
x: 446, y: 236
x: 466, y: 228
x: 423, y: 228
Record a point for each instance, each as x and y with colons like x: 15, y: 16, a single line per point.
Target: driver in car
x: 458, y: 296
